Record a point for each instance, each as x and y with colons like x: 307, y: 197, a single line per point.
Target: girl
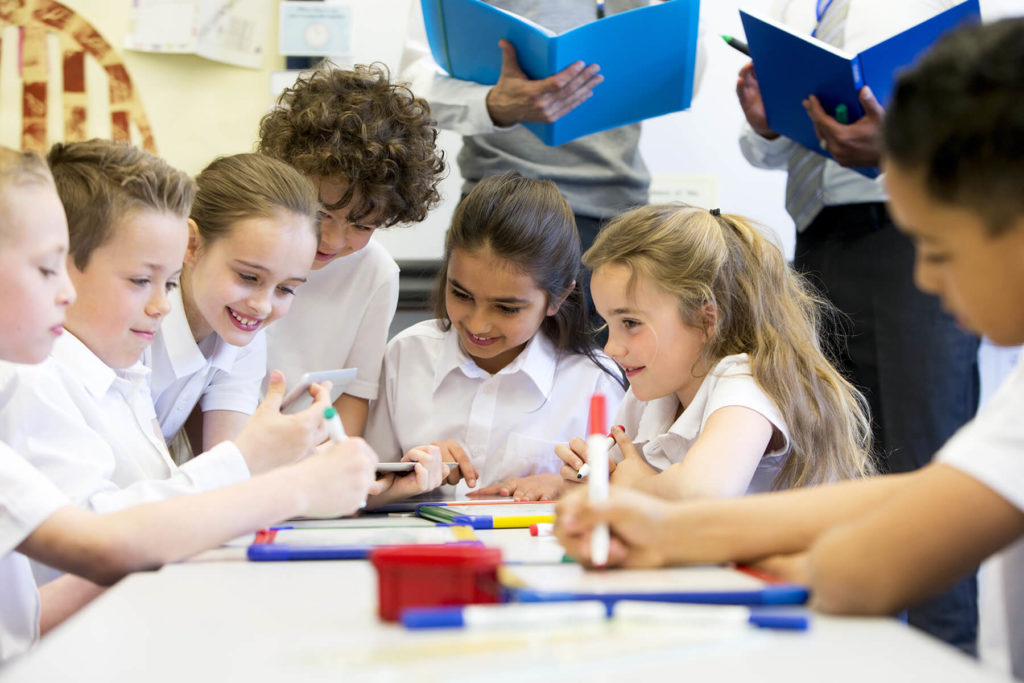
x: 730, y: 392
x: 507, y: 369
x: 252, y: 236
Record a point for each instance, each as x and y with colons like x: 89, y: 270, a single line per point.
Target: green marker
x: 842, y: 114
x: 737, y: 44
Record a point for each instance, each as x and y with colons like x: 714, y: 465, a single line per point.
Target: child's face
x: 978, y: 277
x: 34, y: 287
x: 243, y: 281
x: 647, y: 336
x: 122, y: 292
x: 495, y: 308
x: 338, y: 235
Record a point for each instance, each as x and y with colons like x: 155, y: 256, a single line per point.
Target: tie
x: 804, y: 192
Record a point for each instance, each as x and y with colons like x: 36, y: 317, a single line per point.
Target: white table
x: 220, y: 618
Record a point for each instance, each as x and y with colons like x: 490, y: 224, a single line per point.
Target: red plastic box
x: 430, y: 575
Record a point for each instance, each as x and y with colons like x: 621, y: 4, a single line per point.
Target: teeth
x: 248, y: 322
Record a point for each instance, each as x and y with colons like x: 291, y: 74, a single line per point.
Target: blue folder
x: 647, y: 57
x: 791, y: 66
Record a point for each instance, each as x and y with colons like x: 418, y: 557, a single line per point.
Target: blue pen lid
x: 779, y: 620
x: 432, y: 617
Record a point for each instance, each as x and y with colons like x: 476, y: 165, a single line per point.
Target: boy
x: 954, y: 172
x: 127, y: 213
x: 37, y: 519
x: 368, y: 146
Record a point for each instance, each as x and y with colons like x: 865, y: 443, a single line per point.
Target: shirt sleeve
x: 743, y: 391
x: 27, y: 499
x: 239, y: 389
x: 371, y: 338
x: 456, y: 105
x: 764, y: 153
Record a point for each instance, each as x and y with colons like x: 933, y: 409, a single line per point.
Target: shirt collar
x: 184, y: 354
x: 537, y: 361
x: 95, y: 375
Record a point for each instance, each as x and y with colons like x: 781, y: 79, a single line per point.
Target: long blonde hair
x: 762, y: 308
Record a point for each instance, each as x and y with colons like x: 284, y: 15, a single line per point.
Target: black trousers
x: 917, y: 368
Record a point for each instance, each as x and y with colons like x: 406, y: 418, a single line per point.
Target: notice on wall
x: 229, y: 31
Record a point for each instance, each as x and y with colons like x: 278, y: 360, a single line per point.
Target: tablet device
x: 299, y: 399
x: 404, y: 466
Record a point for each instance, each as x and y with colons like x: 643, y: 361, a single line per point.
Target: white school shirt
x: 93, y: 432
x: 664, y: 440
x: 509, y: 423
x: 339, y: 319
x: 869, y: 22
x: 27, y: 498
x: 990, y: 448
x: 213, y: 373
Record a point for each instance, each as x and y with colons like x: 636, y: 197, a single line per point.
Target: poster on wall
x: 229, y: 31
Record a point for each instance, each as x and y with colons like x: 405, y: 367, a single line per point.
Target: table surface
x: 219, y: 617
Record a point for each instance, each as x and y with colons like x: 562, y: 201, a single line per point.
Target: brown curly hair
x: 358, y: 126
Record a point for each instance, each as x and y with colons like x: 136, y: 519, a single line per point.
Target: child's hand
x: 451, y: 451
x: 793, y: 568
x: 336, y: 478
x: 427, y: 475
x: 636, y: 520
x: 271, y: 439
x: 632, y: 468
x: 545, y: 486
x: 573, y: 454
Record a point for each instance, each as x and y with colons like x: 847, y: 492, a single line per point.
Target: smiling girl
x: 506, y: 371
x: 252, y: 237
x: 730, y: 392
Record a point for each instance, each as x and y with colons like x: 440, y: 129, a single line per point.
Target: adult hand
x: 854, y: 144
x: 515, y: 98
x: 637, y: 523
x: 271, y: 438
x: 749, y: 93
x: 545, y: 486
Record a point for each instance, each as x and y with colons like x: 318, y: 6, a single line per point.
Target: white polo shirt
x: 27, y: 498
x: 990, y: 448
x: 339, y: 319
x: 664, y: 440
x: 212, y: 373
x: 92, y: 431
x: 509, y: 423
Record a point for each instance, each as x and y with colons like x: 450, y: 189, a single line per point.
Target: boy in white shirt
x: 954, y: 173
x: 36, y: 519
x: 368, y: 146
x: 127, y: 213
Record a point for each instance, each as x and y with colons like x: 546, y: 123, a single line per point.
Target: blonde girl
x: 731, y: 392
x: 252, y: 238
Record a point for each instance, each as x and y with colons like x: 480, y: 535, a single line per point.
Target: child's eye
x: 509, y: 310
x: 170, y: 285
x: 365, y: 228
x: 246, y: 277
x: 459, y: 294
x: 139, y: 281
x: 289, y: 291
x: 935, y: 258
x: 47, y: 272
x: 630, y: 324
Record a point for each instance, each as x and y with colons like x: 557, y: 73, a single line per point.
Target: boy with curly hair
x: 368, y: 146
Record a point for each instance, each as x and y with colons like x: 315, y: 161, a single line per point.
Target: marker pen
x: 597, y: 482
x: 737, y: 44
x: 509, y: 614
x: 711, y: 616
x: 585, y: 468
x: 335, y: 430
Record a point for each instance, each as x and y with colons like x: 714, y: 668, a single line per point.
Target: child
x: 127, y: 215
x: 730, y: 392
x: 36, y: 518
x: 954, y: 172
x: 251, y: 240
x: 507, y: 370
x: 368, y: 147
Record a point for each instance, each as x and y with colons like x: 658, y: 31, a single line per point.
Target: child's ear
x: 194, y: 244
x: 709, y: 317
x: 557, y: 303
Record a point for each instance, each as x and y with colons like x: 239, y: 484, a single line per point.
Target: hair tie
x: 716, y: 212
